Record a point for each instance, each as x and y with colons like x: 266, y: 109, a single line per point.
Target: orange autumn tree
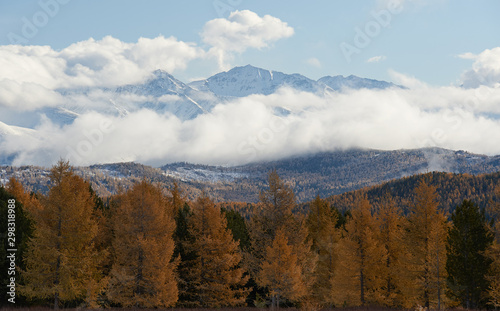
x: 30, y: 202
x: 394, y: 272
x: 215, y: 278
x: 426, y: 242
x: 280, y: 271
x: 323, y: 234
x: 62, y: 261
x: 275, y: 212
x: 143, y: 274
x: 357, y: 279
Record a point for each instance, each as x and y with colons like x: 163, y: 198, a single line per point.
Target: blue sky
x: 446, y: 53
x: 422, y: 41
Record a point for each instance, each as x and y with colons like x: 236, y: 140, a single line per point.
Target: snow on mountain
x: 339, y: 83
x: 6, y: 129
x: 248, y: 80
x: 167, y: 94
x: 10, y: 131
x: 164, y: 93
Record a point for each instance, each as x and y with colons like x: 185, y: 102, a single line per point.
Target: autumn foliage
x: 149, y: 247
x: 143, y: 273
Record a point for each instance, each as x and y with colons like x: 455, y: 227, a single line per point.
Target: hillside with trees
x: 324, y: 174
x: 152, y: 247
x: 451, y: 190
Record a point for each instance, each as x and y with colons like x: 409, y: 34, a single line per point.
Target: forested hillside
x: 451, y: 188
x: 325, y: 174
x: 152, y: 247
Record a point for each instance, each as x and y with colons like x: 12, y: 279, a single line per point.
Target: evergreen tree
x: 357, y: 279
x: 236, y: 223
x: 183, y: 239
x: 62, y: 261
x: 426, y: 241
x: 178, y: 198
x: 215, y: 277
x: 467, y: 266
x: 323, y: 234
x: 143, y: 274
x: 280, y: 271
x: 493, y: 253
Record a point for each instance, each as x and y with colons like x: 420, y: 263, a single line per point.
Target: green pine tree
x: 467, y: 266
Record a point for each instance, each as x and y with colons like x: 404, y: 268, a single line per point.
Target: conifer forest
x: 152, y: 247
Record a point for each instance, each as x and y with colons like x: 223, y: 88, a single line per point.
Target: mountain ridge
x: 326, y: 174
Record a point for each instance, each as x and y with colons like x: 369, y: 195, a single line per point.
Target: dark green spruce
x: 466, y: 265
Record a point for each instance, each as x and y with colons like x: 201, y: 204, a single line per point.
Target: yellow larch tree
x: 178, y: 198
x: 30, y: 202
x: 280, y: 271
x: 215, y: 277
x: 143, y: 274
x: 392, y: 239
x: 357, y: 280
x: 323, y: 235
x: 62, y: 261
x: 426, y: 240
x: 274, y: 212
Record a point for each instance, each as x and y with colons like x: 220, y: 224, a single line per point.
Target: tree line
x: 151, y: 247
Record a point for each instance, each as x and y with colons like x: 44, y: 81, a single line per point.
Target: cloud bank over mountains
x: 83, y: 79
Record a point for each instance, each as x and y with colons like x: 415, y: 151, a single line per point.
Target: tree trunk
x: 438, y: 281
x: 56, y: 301
x: 362, y: 279
x: 362, y: 289
x: 58, y: 263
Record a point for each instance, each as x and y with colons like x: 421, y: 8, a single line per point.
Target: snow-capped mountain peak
x: 248, y: 80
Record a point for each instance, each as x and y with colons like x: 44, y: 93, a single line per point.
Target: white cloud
x: 485, y: 70
x: 375, y: 59
x: 247, y: 129
x: 467, y: 55
x: 313, y: 61
x: 406, y: 80
x: 105, y: 62
x: 241, y: 131
x: 240, y: 31
x: 27, y: 95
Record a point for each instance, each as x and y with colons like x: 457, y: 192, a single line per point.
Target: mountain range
x: 163, y: 93
x: 323, y: 174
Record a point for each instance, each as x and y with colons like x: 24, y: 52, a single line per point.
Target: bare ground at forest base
x: 216, y: 309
